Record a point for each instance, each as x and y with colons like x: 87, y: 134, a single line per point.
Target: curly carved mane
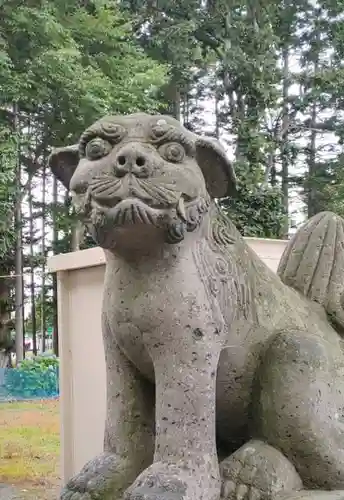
x: 223, y: 261
x: 239, y: 284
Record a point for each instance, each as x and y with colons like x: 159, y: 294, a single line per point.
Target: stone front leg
x: 185, y: 460
x: 129, y: 429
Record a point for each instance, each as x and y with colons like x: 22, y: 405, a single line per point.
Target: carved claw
x: 153, y: 490
x: 155, y: 486
x: 240, y: 491
x: 257, y: 471
x: 103, y: 478
x: 169, y: 482
x: 72, y: 495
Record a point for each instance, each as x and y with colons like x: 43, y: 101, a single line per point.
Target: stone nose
x: 131, y: 159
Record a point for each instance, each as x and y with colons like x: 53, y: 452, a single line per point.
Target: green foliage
x: 48, y: 312
x: 70, y: 66
x: 8, y: 149
x: 332, y: 191
x: 64, y: 64
x: 33, y: 378
x: 256, y: 211
x: 229, y: 51
x: 7, y: 191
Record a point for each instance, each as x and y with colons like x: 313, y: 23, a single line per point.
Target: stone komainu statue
x: 223, y: 379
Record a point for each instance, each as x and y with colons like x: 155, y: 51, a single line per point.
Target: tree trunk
x: 176, y: 102
x: 172, y: 93
x: 19, y: 296
x: 239, y: 116
x: 312, y: 197
x: 312, y: 193
x: 32, y: 274
x: 284, y: 141
x: 217, y: 110
x: 43, y: 312
x: 270, y: 170
x: 6, y: 343
x: 55, y: 299
x: 77, y: 237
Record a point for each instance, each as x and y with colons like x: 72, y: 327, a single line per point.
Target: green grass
x: 29, y: 448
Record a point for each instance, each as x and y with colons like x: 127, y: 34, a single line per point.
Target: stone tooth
x: 181, y: 209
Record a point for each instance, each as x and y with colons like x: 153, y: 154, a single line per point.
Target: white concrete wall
x: 82, y: 377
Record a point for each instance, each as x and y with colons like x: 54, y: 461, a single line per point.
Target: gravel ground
x: 8, y: 493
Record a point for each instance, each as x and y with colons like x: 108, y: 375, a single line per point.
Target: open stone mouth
x: 133, y: 210
x: 175, y: 218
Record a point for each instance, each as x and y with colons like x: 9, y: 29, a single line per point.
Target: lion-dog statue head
x: 144, y: 174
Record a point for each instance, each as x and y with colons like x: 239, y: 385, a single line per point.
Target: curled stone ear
x: 63, y: 162
x: 218, y: 171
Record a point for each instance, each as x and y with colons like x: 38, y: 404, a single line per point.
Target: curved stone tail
x: 313, y: 263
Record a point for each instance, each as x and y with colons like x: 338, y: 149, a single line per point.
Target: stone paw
x: 72, y: 495
x: 169, y: 482
x: 257, y: 471
x: 103, y: 478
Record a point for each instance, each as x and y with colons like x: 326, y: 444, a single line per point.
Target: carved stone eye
x: 97, y: 148
x: 113, y: 131
x: 160, y: 129
x: 172, y: 152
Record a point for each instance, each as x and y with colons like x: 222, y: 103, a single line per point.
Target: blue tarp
x: 19, y: 385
